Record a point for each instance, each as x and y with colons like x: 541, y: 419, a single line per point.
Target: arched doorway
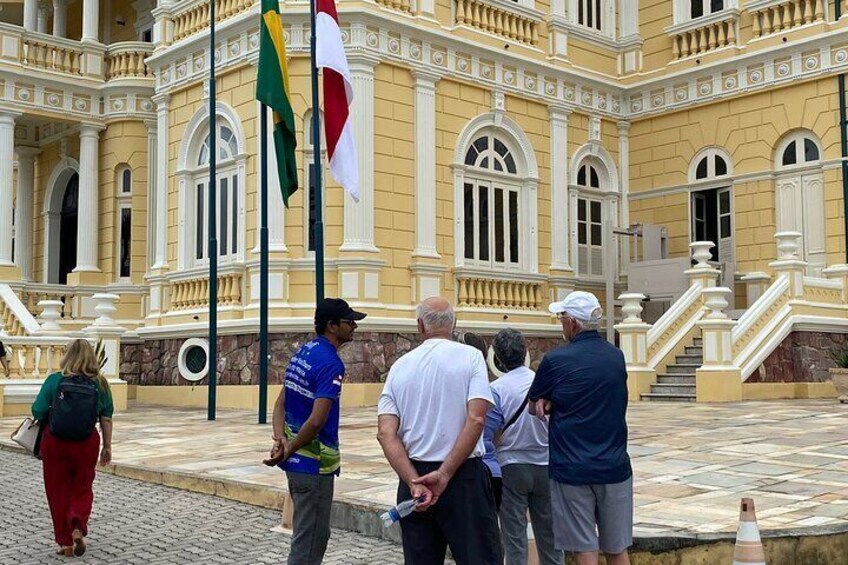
x: 68, y: 229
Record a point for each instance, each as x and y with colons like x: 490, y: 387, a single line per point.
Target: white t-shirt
x: 429, y: 389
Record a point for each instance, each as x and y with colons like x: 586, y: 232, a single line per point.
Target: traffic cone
x: 749, y: 547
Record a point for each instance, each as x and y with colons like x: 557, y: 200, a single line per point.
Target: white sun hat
x: 583, y: 306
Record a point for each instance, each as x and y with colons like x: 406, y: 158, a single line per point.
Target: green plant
x: 100, y: 351
x: 841, y: 358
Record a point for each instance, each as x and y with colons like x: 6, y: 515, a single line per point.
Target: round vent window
x: 193, y: 360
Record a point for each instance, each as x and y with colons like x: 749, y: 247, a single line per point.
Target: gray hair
x: 510, y: 348
x: 435, y: 319
x: 592, y: 325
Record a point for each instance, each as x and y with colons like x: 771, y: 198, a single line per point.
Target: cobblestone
x: 134, y: 522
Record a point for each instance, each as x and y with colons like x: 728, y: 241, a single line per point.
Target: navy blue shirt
x: 586, y: 381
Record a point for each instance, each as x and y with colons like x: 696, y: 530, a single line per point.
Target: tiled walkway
x: 692, y: 462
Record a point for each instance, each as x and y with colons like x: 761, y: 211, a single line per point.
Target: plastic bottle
x: 402, y: 510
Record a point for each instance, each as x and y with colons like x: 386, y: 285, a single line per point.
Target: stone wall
x: 367, y: 358
x: 802, y: 357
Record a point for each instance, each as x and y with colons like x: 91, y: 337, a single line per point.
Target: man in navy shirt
x: 306, y: 428
x: 583, y: 386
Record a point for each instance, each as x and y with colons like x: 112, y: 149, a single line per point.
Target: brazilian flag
x: 273, y: 90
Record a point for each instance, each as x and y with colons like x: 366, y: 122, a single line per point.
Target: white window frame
x: 124, y: 194
x: 526, y: 181
x: 710, y: 153
x: 683, y: 10
x: 190, y: 173
x: 606, y: 20
x: 799, y: 137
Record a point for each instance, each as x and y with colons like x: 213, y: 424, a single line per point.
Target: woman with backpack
x: 68, y: 406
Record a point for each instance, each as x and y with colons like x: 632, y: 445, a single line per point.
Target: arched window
x: 711, y: 165
x: 590, y: 219
x: 711, y: 201
x: 123, y: 222
x: 491, y: 202
x: 799, y: 150
x: 193, y: 172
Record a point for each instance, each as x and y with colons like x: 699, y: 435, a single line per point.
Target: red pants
x: 68, y: 478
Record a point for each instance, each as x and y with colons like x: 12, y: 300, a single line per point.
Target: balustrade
x: 492, y: 18
x: 708, y: 37
x: 399, y: 5
x: 33, y: 357
x: 44, y: 53
x: 783, y: 16
x: 196, y: 18
x: 493, y: 293
x: 126, y: 60
x: 194, y: 293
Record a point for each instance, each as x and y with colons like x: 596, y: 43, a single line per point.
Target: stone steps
x: 677, y: 384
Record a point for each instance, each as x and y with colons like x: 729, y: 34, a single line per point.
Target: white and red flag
x: 338, y: 95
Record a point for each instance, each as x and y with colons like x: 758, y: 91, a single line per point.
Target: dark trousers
x: 68, y: 477
x: 464, y: 519
x: 312, y: 496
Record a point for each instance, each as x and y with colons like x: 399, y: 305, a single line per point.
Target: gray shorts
x: 593, y: 517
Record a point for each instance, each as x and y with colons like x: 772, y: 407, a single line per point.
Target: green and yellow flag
x: 272, y: 89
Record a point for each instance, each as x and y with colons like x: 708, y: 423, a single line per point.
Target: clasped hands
x: 279, y: 453
x: 429, y: 487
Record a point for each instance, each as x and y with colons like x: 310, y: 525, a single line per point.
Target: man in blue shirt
x: 306, y: 428
x: 583, y: 386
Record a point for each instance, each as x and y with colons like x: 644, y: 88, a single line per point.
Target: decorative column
x: 633, y: 340
x: 358, y: 268
x: 359, y: 217
x: 162, y: 165
x: 717, y: 380
x: 630, y: 59
x: 788, y: 262
x: 91, y: 20
x: 31, y: 15
x: 559, y: 186
x: 24, y: 210
x: 43, y: 14
x: 89, y: 205
x: 425, y: 164
x: 60, y: 18
x: 7, y: 162
x: 624, y: 191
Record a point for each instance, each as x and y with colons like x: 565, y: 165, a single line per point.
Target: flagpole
x: 316, y: 173
x: 263, y: 266
x: 213, y: 220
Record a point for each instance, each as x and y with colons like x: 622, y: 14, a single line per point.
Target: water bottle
x: 402, y: 510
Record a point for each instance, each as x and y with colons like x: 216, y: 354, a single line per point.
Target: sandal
x: 65, y: 551
x: 79, y: 543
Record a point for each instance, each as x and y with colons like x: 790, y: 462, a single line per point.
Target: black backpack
x: 74, y: 410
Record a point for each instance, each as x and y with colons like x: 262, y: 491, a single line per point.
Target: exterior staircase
x: 677, y: 384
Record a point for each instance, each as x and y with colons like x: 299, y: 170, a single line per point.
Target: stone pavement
x: 140, y: 523
x: 693, y: 462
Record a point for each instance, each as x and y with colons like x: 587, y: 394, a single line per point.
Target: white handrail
x: 759, y: 308
x: 677, y: 309
x: 18, y: 309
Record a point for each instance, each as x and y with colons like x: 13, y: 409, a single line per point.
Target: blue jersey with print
x: 316, y: 371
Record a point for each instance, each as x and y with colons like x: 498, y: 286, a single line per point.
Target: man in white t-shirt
x: 431, y: 417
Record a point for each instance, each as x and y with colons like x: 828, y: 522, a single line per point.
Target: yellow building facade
x: 509, y: 152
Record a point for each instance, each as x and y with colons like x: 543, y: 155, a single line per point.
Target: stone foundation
x: 367, y: 358
x: 803, y: 357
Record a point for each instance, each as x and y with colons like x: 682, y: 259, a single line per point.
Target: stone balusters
x: 788, y: 15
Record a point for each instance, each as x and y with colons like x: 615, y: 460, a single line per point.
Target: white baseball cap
x: 583, y: 306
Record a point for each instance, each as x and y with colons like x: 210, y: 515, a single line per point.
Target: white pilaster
x: 60, y: 18
x: 276, y: 208
x: 43, y: 14
x: 624, y: 181
x: 359, y: 216
x: 89, y: 209
x: 425, y: 164
x: 31, y: 15
x: 628, y: 18
x: 23, y: 210
x: 7, y: 159
x: 161, y: 205
x: 152, y: 144
x: 91, y: 20
x: 559, y: 187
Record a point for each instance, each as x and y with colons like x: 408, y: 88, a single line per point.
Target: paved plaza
x: 693, y: 462
x: 140, y: 523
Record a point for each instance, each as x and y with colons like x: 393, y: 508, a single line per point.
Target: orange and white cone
x: 749, y: 547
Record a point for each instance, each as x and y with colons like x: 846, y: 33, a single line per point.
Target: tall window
x: 124, y: 223
x: 590, y: 13
x: 711, y: 213
x: 228, y: 197
x: 700, y: 8
x: 590, y: 223
x: 492, y: 224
